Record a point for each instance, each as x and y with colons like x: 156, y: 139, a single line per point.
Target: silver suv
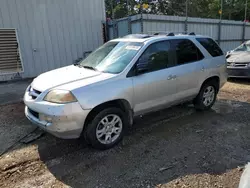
x: 98, y: 97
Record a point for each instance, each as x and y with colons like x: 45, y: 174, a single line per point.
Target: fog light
x: 44, y: 117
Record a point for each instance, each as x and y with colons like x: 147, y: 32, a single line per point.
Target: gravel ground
x: 13, y: 125
x: 13, y: 91
x: 177, y: 147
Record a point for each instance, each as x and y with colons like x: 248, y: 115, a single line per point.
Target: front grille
x: 240, y: 64
x: 34, y: 93
x: 237, y: 64
x: 34, y: 113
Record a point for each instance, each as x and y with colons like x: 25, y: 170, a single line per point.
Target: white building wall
x: 52, y: 33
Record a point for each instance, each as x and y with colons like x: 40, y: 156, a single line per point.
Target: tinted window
x: 210, y: 46
x: 186, y: 51
x: 155, y: 57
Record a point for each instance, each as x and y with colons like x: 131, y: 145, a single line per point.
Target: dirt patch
x: 177, y: 147
x: 238, y: 91
x: 13, y: 125
x: 226, y: 180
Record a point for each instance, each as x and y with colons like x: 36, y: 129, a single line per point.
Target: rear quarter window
x: 211, y: 46
x: 185, y: 51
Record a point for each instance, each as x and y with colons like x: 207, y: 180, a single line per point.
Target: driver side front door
x: 155, y: 88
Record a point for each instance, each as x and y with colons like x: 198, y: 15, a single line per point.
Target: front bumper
x: 238, y: 72
x: 61, y: 120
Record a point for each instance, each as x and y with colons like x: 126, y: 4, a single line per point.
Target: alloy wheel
x: 208, y: 96
x: 109, y: 129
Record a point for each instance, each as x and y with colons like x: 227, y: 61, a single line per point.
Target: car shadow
x: 245, y: 81
x: 178, y: 140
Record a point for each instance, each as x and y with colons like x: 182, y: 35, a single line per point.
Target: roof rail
x: 143, y: 36
x: 137, y: 36
x: 170, y: 34
x: 164, y: 33
x: 160, y: 33
x: 175, y: 32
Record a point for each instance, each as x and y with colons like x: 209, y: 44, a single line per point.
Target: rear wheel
x: 207, y: 96
x: 106, y: 129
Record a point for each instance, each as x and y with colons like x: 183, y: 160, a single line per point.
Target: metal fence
x: 229, y: 34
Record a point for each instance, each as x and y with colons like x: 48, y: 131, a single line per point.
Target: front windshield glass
x: 245, y: 47
x: 112, y: 57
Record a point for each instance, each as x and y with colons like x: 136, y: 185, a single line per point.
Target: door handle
x: 174, y: 77
x: 218, y: 65
x: 170, y: 77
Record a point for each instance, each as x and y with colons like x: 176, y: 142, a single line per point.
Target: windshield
x: 245, y: 47
x: 112, y: 57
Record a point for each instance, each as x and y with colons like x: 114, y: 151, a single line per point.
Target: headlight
x: 60, y: 96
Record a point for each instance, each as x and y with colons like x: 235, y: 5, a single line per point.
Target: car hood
x: 240, y: 57
x: 66, y: 75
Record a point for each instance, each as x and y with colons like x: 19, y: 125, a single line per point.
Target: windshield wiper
x: 89, y: 67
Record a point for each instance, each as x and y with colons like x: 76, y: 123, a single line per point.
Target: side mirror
x: 141, y: 67
x: 143, y: 64
x: 228, y: 54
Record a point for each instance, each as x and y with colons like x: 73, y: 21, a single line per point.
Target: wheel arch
x: 216, y: 79
x: 123, y: 104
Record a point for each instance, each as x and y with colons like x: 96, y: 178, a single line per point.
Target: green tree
x: 232, y: 9
x: 121, y: 8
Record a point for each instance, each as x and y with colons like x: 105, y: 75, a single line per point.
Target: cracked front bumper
x: 61, y: 120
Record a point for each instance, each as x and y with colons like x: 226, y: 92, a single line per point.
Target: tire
x: 102, y: 124
x: 200, y: 103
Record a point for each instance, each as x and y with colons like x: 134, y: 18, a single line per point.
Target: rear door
x: 189, y: 70
x: 215, y: 64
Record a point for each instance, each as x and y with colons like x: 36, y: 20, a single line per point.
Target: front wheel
x: 106, y: 129
x: 207, y: 96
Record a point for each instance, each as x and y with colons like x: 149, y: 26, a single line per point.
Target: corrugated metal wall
x: 123, y: 27
x: 53, y: 33
x: 229, y: 34
x: 247, y: 33
x: 207, y: 27
x: 158, y: 23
